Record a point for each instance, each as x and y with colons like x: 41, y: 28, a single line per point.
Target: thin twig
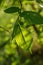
x: 22, y: 33
x: 4, y: 28
x: 20, y: 3
x: 36, y: 29
x: 13, y: 32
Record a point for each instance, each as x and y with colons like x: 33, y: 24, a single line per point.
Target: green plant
x: 25, y: 19
x: 30, y: 17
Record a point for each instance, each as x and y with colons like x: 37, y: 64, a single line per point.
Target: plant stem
x: 4, y: 28
x: 35, y: 28
x: 22, y: 33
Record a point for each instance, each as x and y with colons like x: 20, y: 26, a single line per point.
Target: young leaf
x: 12, y: 10
x: 32, y: 17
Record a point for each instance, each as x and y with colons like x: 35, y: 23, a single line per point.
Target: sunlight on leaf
x: 19, y: 38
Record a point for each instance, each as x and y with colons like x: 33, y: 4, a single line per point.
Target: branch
x: 4, y: 28
x: 20, y: 3
x: 36, y: 29
x: 3, y: 44
x: 22, y: 33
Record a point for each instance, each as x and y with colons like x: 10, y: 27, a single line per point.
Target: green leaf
x: 12, y: 10
x: 32, y: 17
x: 15, y: 29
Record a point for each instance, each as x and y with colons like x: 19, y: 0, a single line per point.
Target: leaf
x: 30, y: 43
x: 12, y: 10
x: 15, y: 29
x: 32, y: 17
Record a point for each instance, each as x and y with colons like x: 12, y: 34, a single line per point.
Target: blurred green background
x: 18, y: 52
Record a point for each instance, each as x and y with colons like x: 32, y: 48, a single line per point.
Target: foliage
x: 21, y: 32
